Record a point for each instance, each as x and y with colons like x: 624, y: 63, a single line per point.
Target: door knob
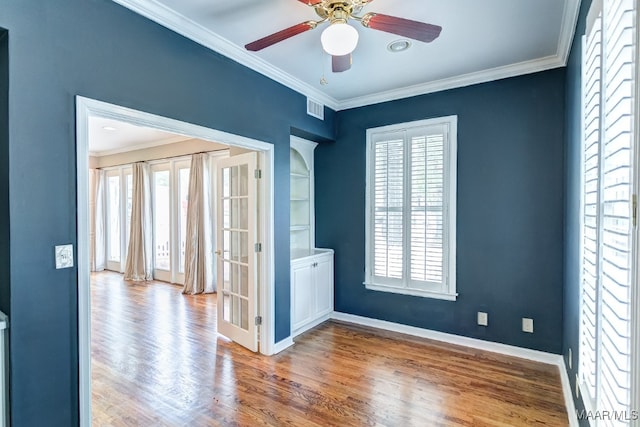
x: 218, y: 252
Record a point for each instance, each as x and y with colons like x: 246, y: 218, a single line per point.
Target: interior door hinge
x: 635, y: 209
x: 258, y: 173
x: 258, y: 247
x: 258, y: 320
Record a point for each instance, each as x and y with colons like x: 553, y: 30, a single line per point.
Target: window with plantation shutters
x: 411, y: 176
x: 609, y: 52
x: 590, y: 203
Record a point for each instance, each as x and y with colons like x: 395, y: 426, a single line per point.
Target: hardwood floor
x: 158, y: 361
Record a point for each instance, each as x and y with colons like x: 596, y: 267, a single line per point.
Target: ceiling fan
x: 340, y: 39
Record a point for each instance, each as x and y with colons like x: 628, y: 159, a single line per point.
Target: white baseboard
x: 568, y: 394
x: 509, y: 350
x: 282, y: 345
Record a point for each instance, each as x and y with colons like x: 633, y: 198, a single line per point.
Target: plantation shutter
x: 616, y: 175
x: 592, y: 73
x: 426, y: 198
x: 388, y: 221
x: 607, y: 257
x: 409, y: 212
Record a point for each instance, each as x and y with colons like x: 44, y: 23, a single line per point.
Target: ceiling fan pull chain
x: 323, y: 79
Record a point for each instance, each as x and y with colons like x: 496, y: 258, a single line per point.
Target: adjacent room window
x: 183, y: 185
x: 608, y: 88
x: 161, y: 220
x: 113, y: 217
x: 118, y: 214
x: 129, y: 205
x: 170, y: 191
x: 411, y: 208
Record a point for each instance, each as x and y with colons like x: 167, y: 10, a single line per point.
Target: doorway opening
x: 88, y: 110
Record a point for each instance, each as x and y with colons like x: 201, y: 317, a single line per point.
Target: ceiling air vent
x: 315, y: 109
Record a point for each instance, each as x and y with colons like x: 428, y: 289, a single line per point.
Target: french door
x: 237, y: 267
x: 119, y: 183
x: 170, y: 190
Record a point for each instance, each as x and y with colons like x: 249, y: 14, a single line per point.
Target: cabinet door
x: 301, y: 294
x: 323, y: 273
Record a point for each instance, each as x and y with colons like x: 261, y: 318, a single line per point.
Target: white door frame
x: 86, y: 108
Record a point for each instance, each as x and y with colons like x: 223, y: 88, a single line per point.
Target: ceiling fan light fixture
x: 339, y: 39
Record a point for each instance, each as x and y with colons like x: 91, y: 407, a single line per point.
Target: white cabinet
x: 311, y: 268
x: 323, y: 284
x: 311, y: 290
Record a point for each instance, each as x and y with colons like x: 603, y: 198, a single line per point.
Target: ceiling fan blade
x: 402, y: 27
x: 341, y: 63
x: 280, y: 36
x: 310, y: 2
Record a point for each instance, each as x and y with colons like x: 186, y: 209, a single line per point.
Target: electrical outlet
x: 570, y: 357
x: 483, y: 319
x: 64, y: 256
x: 527, y: 325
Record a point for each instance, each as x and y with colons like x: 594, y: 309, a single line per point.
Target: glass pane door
x: 128, y: 207
x: 113, y: 222
x: 183, y: 206
x: 237, y: 285
x: 170, y: 188
x: 162, y: 224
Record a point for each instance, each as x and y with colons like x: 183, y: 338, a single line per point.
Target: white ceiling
x: 480, y: 41
x: 108, y: 136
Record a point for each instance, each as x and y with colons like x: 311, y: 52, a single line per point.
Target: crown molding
x: 569, y: 21
x: 174, y: 21
x: 182, y: 25
x: 568, y: 29
x: 498, y: 73
x: 142, y: 146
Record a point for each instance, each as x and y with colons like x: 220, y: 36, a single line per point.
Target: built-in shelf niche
x: 302, y: 218
x: 311, y: 267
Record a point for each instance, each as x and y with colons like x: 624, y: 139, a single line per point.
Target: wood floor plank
x: 157, y: 360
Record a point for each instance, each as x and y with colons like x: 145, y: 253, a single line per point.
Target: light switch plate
x: 64, y: 256
x: 527, y: 325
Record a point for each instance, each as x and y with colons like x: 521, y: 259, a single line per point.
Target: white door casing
x: 86, y: 108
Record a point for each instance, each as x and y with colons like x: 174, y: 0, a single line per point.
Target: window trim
x: 448, y: 289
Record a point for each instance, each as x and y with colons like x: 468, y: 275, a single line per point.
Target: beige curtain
x: 139, y: 265
x: 198, y: 269
x: 97, y: 219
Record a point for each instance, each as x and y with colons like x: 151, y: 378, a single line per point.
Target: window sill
x: 412, y: 292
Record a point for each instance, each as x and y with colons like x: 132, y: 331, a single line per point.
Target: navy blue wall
x: 98, y: 49
x: 4, y: 173
x: 572, y: 203
x: 510, y: 210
